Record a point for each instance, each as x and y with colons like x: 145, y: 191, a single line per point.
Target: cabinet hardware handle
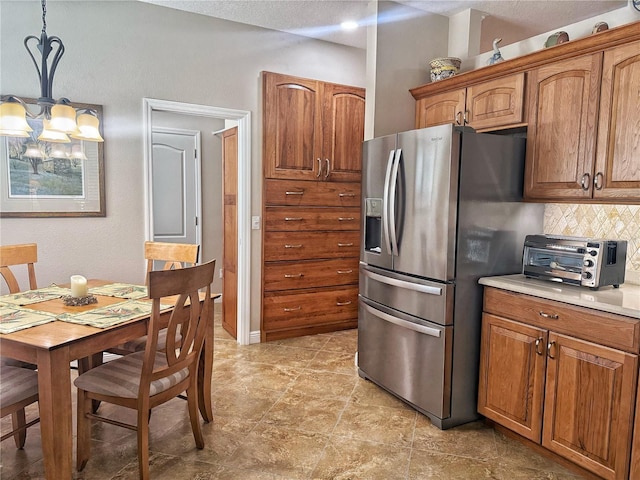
x: 344, y: 272
x: 549, y: 347
x: 326, y: 174
x: 346, y: 219
x: 539, y: 351
x: 585, y: 181
x: 294, y: 309
x: 299, y: 245
x: 597, y: 180
x: 294, y: 193
x: 319, y: 168
x: 292, y: 219
x: 346, y: 195
x: 342, y: 304
x: 552, y: 316
x: 466, y: 112
x: 345, y: 244
x: 293, y: 275
x: 458, y: 118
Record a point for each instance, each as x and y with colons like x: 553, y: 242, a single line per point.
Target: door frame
x: 198, y: 174
x: 243, y: 118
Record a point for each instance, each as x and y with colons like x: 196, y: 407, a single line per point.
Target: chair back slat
x: 189, y: 317
x: 12, y: 255
x: 174, y: 255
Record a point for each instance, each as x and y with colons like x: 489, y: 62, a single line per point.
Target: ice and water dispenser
x: 373, y: 225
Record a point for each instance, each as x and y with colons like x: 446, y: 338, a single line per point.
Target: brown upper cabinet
x: 313, y: 130
x: 484, y: 106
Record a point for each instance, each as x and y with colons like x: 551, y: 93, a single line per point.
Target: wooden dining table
x: 53, y: 346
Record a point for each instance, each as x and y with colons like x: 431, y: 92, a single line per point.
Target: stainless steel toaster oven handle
x: 402, y: 323
x: 402, y: 284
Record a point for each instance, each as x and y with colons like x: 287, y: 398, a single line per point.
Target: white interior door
x: 175, y: 175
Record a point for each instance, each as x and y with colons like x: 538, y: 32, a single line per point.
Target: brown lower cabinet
x: 562, y: 376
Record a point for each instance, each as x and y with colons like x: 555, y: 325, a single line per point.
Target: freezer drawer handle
x: 402, y: 323
x: 294, y: 309
x: 402, y: 284
x: 294, y: 193
x: 293, y: 275
x: 292, y: 219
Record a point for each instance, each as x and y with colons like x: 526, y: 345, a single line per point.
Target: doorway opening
x: 242, y: 118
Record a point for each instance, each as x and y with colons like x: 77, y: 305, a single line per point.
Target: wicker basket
x: 444, y: 67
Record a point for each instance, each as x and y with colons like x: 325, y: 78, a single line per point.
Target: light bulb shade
x: 63, y: 118
x: 77, y: 153
x: 51, y: 135
x: 58, y: 151
x: 88, y: 128
x: 13, y: 120
x: 33, y: 151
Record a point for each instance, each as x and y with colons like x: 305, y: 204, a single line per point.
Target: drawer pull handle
x: 346, y: 219
x: 552, y: 316
x: 292, y: 219
x: 347, y: 195
x: 293, y: 275
x: 299, y: 245
x: 319, y: 168
x: 346, y: 244
x: 342, y: 304
x: 294, y: 309
x: 539, y: 346
x: 294, y: 193
x: 584, y: 183
x: 549, y: 347
x: 344, y: 272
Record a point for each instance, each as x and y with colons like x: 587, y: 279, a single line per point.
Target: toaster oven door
x: 563, y: 266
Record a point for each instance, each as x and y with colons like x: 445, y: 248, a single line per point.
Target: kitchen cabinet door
x: 561, y: 138
x: 496, y: 103
x: 343, y: 130
x: 589, y: 405
x: 440, y: 109
x: 512, y: 375
x: 292, y: 124
x: 617, y: 173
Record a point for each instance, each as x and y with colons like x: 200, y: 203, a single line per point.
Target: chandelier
x: 60, y: 120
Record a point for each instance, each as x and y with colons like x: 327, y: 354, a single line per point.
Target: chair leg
x: 143, y: 442
x: 84, y: 430
x: 18, y: 421
x: 194, y: 417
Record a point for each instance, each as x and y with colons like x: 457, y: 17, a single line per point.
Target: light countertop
x: 622, y: 301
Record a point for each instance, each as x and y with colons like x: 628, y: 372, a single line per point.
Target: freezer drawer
x: 405, y: 355
x: 422, y: 298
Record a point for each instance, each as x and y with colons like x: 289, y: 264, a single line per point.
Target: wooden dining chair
x: 12, y: 256
x: 144, y: 380
x: 18, y: 389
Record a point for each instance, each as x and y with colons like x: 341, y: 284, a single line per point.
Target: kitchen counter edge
x: 622, y: 301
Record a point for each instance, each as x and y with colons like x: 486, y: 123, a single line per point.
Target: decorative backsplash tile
x: 618, y: 222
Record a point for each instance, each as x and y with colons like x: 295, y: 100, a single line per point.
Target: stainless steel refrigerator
x: 442, y: 207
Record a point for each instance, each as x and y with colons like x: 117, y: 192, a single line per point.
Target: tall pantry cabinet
x: 312, y: 154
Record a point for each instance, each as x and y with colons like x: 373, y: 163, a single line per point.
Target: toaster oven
x: 585, y: 262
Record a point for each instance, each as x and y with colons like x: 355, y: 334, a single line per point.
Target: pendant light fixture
x: 59, y: 119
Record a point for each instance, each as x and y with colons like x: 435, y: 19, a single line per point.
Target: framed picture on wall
x: 45, y: 179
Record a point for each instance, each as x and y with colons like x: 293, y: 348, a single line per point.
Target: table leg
x: 54, y: 386
x: 205, y: 370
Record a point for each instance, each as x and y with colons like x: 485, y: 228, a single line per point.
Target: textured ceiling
x: 321, y: 18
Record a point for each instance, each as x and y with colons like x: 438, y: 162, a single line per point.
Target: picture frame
x: 53, y: 182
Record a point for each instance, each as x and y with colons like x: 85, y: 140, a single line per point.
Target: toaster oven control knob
x: 587, y: 275
x: 593, y: 253
x: 588, y: 263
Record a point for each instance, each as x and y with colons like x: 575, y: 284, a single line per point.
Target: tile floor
x: 295, y: 409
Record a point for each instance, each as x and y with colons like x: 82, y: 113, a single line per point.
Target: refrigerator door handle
x: 385, y: 203
x: 402, y: 284
x: 392, y: 202
x: 402, y: 323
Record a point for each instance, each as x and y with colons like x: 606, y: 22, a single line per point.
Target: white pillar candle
x: 78, y: 286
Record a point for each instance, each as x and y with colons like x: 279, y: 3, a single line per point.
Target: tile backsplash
x: 618, y: 222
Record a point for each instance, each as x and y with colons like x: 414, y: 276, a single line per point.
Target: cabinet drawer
x: 601, y: 327
x: 310, y: 245
x: 305, y: 309
x: 326, y: 194
x: 310, y: 274
x: 311, y: 218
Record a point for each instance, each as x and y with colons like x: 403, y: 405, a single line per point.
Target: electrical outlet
x: 255, y: 222
x: 220, y: 273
